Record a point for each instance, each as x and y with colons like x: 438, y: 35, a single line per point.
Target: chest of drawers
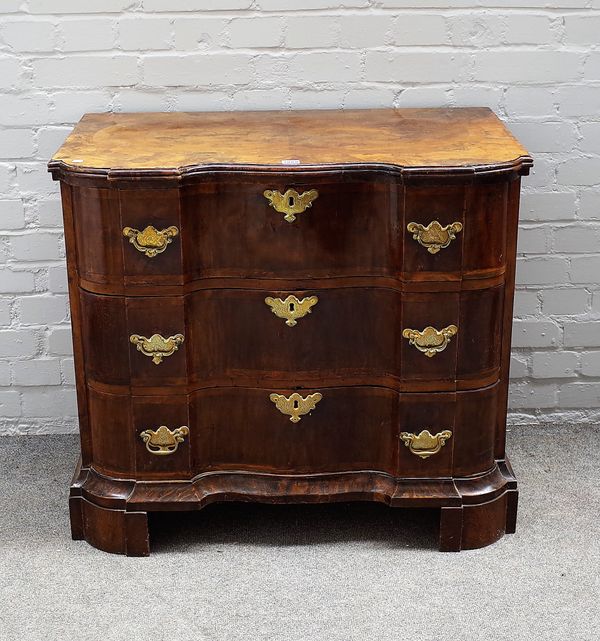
x: 291, y: 307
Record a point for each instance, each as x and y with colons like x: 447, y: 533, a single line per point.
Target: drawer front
x: 306, y: 431
x: 238, y: 231
x: 353, y: 225
x: 346, y: 336
x: 454, y: 229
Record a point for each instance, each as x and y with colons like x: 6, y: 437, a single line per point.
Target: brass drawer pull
x: 150, y: 241
x: 291, y: 308
x: 434, y: 237
x: 164, y: 441
x: 295, y: 406
x: 290, y: 203
x: 430, y: 341
x: 425, y: 444
x: 157, y: 346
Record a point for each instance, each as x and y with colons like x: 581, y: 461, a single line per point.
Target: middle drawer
x: 344, y: 336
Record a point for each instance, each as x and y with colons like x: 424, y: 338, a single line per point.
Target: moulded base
x: 111, y: 514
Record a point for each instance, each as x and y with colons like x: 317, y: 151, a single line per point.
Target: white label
x: 292, y: 161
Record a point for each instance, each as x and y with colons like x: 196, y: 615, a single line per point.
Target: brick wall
x: 536, y: 63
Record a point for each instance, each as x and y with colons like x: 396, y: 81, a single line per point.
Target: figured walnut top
x: 443, y: 138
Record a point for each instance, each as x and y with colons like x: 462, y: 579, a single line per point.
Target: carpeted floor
x: 306, y: 573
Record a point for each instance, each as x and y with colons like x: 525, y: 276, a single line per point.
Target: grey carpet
x: 306, y: 573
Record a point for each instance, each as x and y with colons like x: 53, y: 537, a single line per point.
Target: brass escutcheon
x: 164, y: 441
x: 291, y: 308
x: 434, y: 237
x: 291, y: 202
x: 425, y: 444
x: 150, y: 241
x: 157, y: 346
x: 295, y: 406
x: 430, y: 341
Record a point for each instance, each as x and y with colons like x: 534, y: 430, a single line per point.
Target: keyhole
x: 291, y: 201
x: 296, y: 405
x: 292, y: 307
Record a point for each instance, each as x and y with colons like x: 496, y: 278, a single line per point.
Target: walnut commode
x: 291, y: 307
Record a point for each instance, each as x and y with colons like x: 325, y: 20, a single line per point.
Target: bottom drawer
x: 293, y: 432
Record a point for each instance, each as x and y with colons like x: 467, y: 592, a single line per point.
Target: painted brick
x: 43, y: 310
x: 56, y: 402
x: 10, y: 403
x: 12, y: 215
x: 10, y: 73
x: 77, y: 6
x: 422, y: 67
x: 50, y: 213
x: 533, y: 240
x: 582, y: 334
x: 518, y: 367
x: 526, y: 303
x: 420, y: 29
x: 325, y: 67
x: 68, y: 371
x: 565, y: 301
x: 5, y: 314
x: 590, y: 141
x: 35, y: 246
x: 144, y: 33
x: 527, y: 66
x: 16, y: 281
x: 29, y: 35
x: 302, y: 32
x: 530, y: 101
x: 579, y: 395
x: 533, y: 394
x: 205, y: 69
x: 85, y: 71
x: 585, y: 269
x: 537, y: 65
x: 542, y: 271
x: 21, y: 343
x: 535, y: 333
x: 199, y: 33
x: 531, y: 29
x: 579, y: 171
x: 578, y: 100
x: 97, y: 34
x: 359, y: 31
x: 60, y: 341
x: 16, y: 143
x: 256, y: 32
x: 39, y: 371
x: 195, y: 5
x: 548, y: 206
x: 576, y: 239
x: 590, y: 363
x: 554, y: 364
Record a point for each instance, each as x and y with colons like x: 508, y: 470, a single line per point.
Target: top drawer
x: 296, y: 225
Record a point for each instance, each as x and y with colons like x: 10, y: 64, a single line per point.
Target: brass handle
x: 434, y: 237
x: 430, y: 341
x: 291, y: 308
x: 150, y: 241
x: 291, y: 202
x: 295, y: 406
x: 164, y: 441
x: 157, y: 346
x: 425, y: 444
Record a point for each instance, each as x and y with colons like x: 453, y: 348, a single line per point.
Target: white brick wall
x: 536, y: 63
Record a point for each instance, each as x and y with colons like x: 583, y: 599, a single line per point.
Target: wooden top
x: 172, y: 142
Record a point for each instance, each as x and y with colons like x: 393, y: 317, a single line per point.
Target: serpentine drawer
x: 349, y: 335
x: 141, y: 240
